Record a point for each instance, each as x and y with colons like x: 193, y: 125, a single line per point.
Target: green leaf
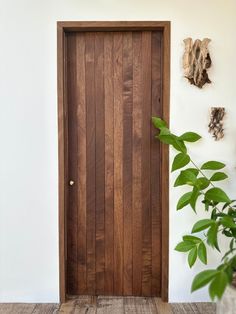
x: 203, y: 278
x: 165, y: 131
x: 202, y: 183
x: 233, y: 232
x: 202, y: 253
x: 217, y: 195
x: 232, y: 212
x: 228, y: 222
x: 185, y: 177
x: 207, y: 204
x: 233, y: 262
x: 202, y: 225
x: 190, y: 137
x: 184, y: 246
x: 218, y: 285
x: 218, y: 176
x: 214, y: 214
x: 192, y: 256
x: 179, y: 145
x: 229, y: 272
x: 166, y: 138
x: 212, y: 165
x: 194, y: 198
x: 212, y: 234
x: 184, y: 200
x: 190, y: 238
x: 194, y: 171
x: 180, y: 161
x: 158, y: 122
x: 179, y: 181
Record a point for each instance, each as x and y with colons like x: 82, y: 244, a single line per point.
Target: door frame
x: 62, y: 29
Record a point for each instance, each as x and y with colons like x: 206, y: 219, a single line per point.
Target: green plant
x: 201, y: 181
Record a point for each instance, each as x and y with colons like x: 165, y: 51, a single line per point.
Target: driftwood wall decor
x: 216, y: 122
x: 196, y: 61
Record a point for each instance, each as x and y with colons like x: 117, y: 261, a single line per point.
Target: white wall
x: 28, y: 128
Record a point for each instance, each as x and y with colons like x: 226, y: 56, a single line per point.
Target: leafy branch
x: 221, y: 209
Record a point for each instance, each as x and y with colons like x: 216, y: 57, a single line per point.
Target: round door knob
x: 71, y: 182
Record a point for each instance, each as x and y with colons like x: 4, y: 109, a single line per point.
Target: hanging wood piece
x: 196, y: 61
x: 216, y: 123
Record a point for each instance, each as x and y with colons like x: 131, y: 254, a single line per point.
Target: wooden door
x: 114, y: 86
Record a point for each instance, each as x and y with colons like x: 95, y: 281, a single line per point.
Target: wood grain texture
x: 81, y: 163
x: 50, y: 308
x: 137, y: 163
x: 146, y: 170
x: 139, y: 305
x: 91, y: 162
x: 109, y: 162
x: 114, y: 86
x: 156, y: 110
x: 81, y: 305
x: 83, y: 26
x: 107, y: 305
x: 118, y: 165
x: 100, y: 162
x: 20, y: 308
x: 127, y: 159
x: 162, y: 307
x: 64, y: 29
x: 72, y: 214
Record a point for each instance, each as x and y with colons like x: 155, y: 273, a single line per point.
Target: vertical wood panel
x: 114, y: 218
x: 91, y: 156
x: 146, y: 125
x: 127, y: 159
x: 72, y: 273
x: 100, y: 162
x: 81, y: 155
x: 155, y: 164
x: 62, y: 156
x: 109, y: 157
x: 137, y: 184
x: 164, y: 166
x: 118, y: 166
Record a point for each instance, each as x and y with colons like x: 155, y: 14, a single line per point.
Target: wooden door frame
x: 62, y: 29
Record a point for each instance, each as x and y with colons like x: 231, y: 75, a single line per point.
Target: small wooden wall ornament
x: 215, y: 126
x: 196, y: 61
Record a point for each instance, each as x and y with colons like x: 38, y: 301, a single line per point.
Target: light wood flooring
x: 110, y: 305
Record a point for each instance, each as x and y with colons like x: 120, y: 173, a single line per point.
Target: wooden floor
x: 110, y: 305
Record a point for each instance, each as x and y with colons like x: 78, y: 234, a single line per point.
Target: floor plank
x: 139, y: 305
x: 108, y: 305
x: 17, y: 308
x: 86, y: 304
x: 50, y: 308
x: 68, y: 307
x: 81, y: 305
x: 162, y: 308
x: 195, y: 308
x: 183, y: 308
x: 206, y: 308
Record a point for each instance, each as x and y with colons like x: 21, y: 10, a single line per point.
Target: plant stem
x: 202, y: 173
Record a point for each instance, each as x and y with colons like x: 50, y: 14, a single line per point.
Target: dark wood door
x: 114, y: 84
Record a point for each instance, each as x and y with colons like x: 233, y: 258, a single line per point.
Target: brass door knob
x: 71, y: 182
